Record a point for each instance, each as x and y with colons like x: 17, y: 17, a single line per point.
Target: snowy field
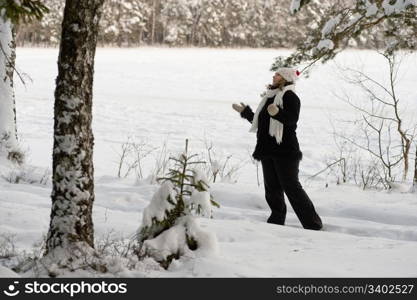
x: 162, y: 95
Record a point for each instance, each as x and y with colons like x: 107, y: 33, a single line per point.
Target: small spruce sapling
x: 169, y: 229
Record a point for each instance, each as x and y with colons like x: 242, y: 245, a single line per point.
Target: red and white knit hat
x: 289, y: 74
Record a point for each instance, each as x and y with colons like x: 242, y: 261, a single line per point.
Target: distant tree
x: 176, y: 17
x: 11, y: 14
x: 206, y: 28
x: 214, y: 23
x: 396, y: 19
x: 71, y: 226
x: 124, y: 22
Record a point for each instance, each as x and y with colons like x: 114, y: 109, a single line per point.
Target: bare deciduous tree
x: 131, y: 157
x: 382, y: 127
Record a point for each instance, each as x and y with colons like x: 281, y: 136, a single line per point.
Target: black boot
x: 273, y: 219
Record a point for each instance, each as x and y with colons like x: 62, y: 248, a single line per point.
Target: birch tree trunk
x: 8, y: 136
x: 72, y: 196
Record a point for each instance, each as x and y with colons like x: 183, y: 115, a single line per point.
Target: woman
x: 275, y: 122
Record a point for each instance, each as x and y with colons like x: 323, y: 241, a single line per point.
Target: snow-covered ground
x: 167, y: 95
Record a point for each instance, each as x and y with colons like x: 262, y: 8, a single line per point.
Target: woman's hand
x: 239, y: 108
x: 273, y: 109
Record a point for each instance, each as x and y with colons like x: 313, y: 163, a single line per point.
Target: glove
x: 239, y: 108
x: 273, y: 109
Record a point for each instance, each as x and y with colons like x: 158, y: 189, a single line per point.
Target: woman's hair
x: 286, y: 83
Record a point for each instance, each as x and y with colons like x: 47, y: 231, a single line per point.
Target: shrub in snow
x: 25, y: 174
x: 7, y: 246
x: 169, y: 228
x: 10, y: 148
x: 131, y: 156
x: 221, y: 166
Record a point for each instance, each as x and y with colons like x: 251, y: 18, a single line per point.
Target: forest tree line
x: 200, y: 23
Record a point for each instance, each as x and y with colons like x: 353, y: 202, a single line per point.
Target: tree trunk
x: 8, y: 134
x: 72, y: 196
x: 415, y: 172
x: 153, y: 22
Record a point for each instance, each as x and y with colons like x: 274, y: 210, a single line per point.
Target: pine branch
x: 344, y: 24
x: 24, y: 10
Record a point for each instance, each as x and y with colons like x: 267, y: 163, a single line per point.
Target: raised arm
x: 247, y: 114
x: 291, y: 111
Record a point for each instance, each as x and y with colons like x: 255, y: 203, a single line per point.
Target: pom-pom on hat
x: 289, y: 74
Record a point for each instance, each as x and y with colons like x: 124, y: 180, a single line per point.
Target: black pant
x: 281, y: 175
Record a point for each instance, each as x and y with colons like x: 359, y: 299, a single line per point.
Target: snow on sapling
x: 169, y: 228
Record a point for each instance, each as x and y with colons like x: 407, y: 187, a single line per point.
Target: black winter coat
x: 266, y: 145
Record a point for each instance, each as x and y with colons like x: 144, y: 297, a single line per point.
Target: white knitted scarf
x: 275, y: 127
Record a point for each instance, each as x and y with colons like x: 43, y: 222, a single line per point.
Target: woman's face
x: 277, y: 79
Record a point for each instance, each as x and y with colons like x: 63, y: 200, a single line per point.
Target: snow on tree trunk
x: 8, y: 136
x: 73, y: 173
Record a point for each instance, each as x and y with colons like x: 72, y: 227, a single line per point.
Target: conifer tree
x: 168, y: 219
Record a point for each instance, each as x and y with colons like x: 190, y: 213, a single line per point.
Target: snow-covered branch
x: 395, y: 19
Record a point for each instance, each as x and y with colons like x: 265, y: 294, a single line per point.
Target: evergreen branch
x: 347, y: 23
x: 24, y: 10
x: 197, y: 162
